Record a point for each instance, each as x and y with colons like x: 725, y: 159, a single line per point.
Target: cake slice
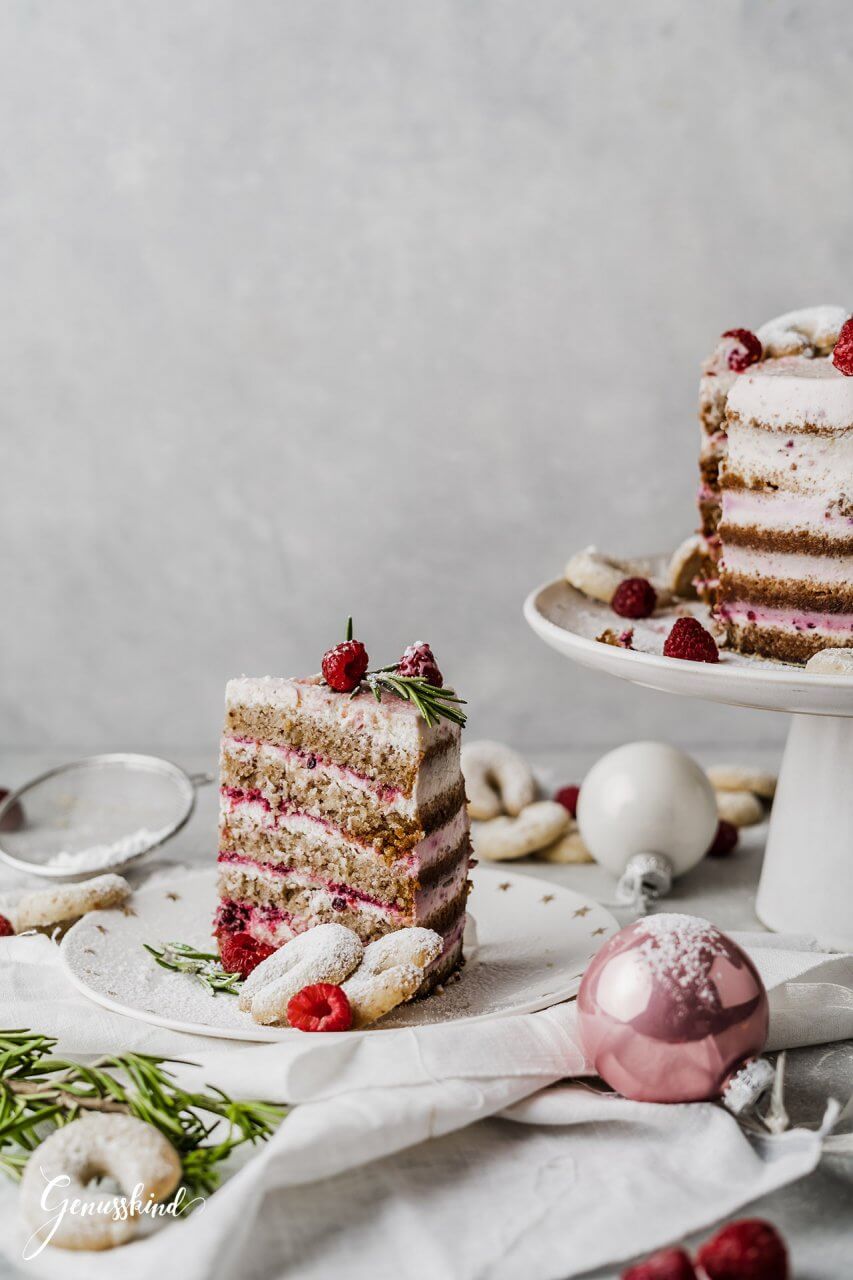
x: 786, y: 533
x: 344, y: 805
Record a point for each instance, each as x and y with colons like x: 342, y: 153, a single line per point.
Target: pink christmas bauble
x: 670, y: 1008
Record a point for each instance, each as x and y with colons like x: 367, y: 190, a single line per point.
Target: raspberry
x: 842, y: 356
x: 689, y: 639
x: 322, y: 1007
x: 744, y: 350
x: 568, y: 798
x: 344, y: 666
x: 241, y: 953
x: 6, y: 929
x: 418, y: 660
x: 669, y: 1264
x: 634, y: 598
x: 725, y: 841
x: 747, y: 1250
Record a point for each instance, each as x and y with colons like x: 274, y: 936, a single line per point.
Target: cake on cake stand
x: 807, y: 878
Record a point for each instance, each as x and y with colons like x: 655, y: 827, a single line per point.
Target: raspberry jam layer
x: 354, y: 899
x: 742, y: 613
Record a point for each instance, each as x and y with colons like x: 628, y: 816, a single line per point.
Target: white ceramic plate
x: 534, y: 941
x: 569, y: 622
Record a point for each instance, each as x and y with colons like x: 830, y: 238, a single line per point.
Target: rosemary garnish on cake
x: 433, y: 704
x: 180, y: 957
x: 39, y: 1093
x: 416, y: 678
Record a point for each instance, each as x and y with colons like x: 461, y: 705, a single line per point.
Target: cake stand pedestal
x: 807, y: 878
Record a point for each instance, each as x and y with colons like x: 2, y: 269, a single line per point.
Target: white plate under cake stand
x: 533, y: 942
x: 807, y: 879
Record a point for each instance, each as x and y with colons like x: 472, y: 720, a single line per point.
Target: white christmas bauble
x: 647, y: 797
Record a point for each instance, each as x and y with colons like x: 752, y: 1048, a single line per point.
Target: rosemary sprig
x: 40, y: 1092
x: 432, y: 703
x: 180, y: 957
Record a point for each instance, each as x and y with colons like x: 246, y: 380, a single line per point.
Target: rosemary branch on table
x: 180, y: 957
x: 39, y: 1093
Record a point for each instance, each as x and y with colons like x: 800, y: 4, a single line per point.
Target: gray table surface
x: 815, y: 1214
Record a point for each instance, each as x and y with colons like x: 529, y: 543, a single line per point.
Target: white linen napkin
x: 558, y: 1181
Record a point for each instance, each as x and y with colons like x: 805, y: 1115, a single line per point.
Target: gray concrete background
x: 317, y: 307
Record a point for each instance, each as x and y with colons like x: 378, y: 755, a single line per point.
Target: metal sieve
x: 95, y: 815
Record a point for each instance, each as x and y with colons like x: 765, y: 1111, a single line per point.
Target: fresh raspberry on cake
x: 321, y: 1007
x: 688, y: 639
x: 669, y: 1264
x: 842, y: 356
x: 747, y: 1250
x: 6, y: 928
x: 241, y: 953
x: 743, y: 349
x: 634, y: 598
x: 568, y: 798
x: 345, y: 665
x: 725, y: 840
x: 418, y: 660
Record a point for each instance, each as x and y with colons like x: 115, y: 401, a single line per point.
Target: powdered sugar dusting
x: 679, y: 951
x: 98, y: 856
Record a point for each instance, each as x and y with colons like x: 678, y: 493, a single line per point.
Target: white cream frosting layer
x: 798, y: 462
x: 782, y: 512
x: 392, y: 721
x: 794, y: 391
x: 784, y: 566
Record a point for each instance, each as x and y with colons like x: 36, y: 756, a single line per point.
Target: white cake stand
x: 807, y: 879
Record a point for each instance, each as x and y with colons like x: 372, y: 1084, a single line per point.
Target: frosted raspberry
x: 725, y: 840
x: 747, y: 1250
x: 634, y: 598
x: 345, y: 665
x: 842, y: 356
x: 241, y: 953
x: 419, y: 660
x: 744, y: 349
x: 669, y: 1264
x: 568, y: 798
x: 321, y: 1007
x: 689, y: 639
x: 6, y: 929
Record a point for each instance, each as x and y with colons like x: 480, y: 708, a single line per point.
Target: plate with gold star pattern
x: 527, y: 945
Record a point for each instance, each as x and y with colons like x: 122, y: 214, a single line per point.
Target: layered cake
x: 807, y: 334
x: 342, y: 800
x: 786, y: 523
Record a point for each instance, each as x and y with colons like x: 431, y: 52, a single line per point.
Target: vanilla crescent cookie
x: 570, y: 848
x: 537, y: 826
x: 594, y: 574
x: 326, y: 953
x: 811, y: 331
x: 45, y: 908
x: 739, y: 777
x: 135, y: 1155
x: 497, y: 779
x: 831, y: 662
x: 392, y: 970
x: 686, y: 565
x: 741, y: 808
